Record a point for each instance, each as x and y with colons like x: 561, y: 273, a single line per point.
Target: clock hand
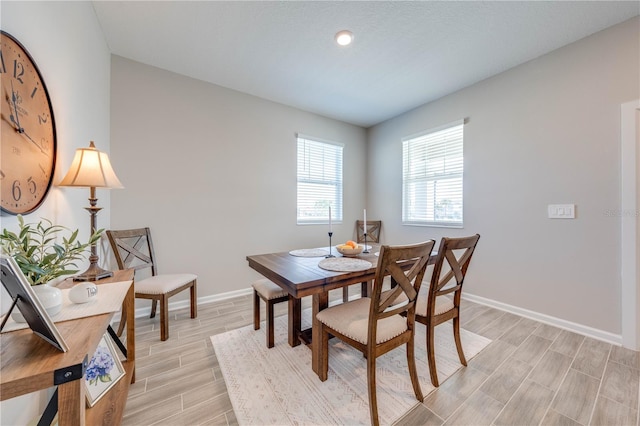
x: 9, y: 120
x: 16, y: 119
x: 34, y: 142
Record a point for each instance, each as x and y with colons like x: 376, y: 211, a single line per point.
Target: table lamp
x: 91, y: 168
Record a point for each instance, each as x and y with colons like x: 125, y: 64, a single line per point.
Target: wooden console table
x: 28, y: 363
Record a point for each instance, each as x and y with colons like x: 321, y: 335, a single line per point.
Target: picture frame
x: 25, y: 299
x: 103, y: 371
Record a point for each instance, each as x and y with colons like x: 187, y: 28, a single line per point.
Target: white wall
x: 543, y: 133
x: 67, y: 44
x: 212, y: 172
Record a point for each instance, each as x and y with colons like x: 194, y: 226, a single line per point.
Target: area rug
x: 277, y: 386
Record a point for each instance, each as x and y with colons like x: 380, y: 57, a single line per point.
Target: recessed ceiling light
x: 344, y: 38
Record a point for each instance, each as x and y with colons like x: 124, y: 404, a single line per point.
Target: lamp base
x: 93, y: 273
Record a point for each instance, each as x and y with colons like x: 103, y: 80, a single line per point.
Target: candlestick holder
x: 366, y: 248
x: 330, y: 247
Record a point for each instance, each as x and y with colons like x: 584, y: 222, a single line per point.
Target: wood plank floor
x: 531, y: 374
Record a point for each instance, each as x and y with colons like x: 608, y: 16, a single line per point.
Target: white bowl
x: 350, y: 251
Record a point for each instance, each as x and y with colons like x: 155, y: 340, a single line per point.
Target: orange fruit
x: 353, y: 244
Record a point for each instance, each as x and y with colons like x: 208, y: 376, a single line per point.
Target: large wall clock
x: 28, y: 143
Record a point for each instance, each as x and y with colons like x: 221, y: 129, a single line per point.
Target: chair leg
x: 256, y: 310
x: 270, y: 331
x: 413, y: 372
x: 154, y: 304
x: 456, y: 335
x: 324, y: 354
x: 371, y: 382
x: 431, y: 356
x: 194, y: 300
x: 164, y: 317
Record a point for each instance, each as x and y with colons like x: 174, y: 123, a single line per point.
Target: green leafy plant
x: 40, y: 255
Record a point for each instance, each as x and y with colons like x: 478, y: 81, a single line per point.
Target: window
x: 319, y: 181
x: 432, y: 169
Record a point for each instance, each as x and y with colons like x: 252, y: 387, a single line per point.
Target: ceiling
x: 404, y: 54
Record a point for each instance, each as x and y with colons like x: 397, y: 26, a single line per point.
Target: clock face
x: 28, y: 155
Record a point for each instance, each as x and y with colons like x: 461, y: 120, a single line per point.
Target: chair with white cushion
x: 383, y: 322
x: 433, y: 306
x: 133, y: 248
x: 271, y: 293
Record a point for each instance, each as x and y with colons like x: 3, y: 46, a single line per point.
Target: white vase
x: 50, y: 297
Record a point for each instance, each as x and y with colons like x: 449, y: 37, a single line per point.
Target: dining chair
x: 373, y: 231
x: 272, y: 294
x: 373, y: 236
x: 433, y: 306
x: 133, y: 248
x: 383, y: 322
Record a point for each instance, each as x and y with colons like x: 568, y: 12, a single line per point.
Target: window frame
x: 406, y: 181
x: 337, y: 204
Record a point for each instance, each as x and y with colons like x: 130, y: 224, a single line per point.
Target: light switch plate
x: 561, y: 211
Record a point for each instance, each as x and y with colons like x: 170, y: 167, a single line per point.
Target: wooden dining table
x: 301, y: 276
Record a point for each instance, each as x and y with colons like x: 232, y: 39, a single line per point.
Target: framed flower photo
x: 103, y: 371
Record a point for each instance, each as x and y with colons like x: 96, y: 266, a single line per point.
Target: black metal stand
x: 51, y: 410
x: 6, y: 317
x: 366, y: 249
x: 117, y: 340
x: 330, y: 248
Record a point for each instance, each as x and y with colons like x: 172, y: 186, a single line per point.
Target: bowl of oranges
x: 350, y: 248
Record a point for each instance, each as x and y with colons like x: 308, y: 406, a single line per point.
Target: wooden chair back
x: 134, y: 249
x: 406, y: 265
x: 373, y: 231
x: 373, y: 236
x: 457, y: 253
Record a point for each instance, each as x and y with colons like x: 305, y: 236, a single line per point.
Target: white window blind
x: 432, y: 169
x: 319, y: 181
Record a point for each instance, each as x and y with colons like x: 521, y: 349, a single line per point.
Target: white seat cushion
x: 352, y: 320
x: 268, y: 289
x: 164, y: 283
x: 443, y: 303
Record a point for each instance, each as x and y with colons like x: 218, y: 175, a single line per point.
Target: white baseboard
x: 584, y: 330
x: 146, y: 311
x: 605, y: 336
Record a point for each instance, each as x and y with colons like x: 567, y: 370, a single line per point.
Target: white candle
x: 330, y: 229
x: 365, y: 221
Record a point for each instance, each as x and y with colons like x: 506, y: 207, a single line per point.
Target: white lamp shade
x: 91, y: 168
